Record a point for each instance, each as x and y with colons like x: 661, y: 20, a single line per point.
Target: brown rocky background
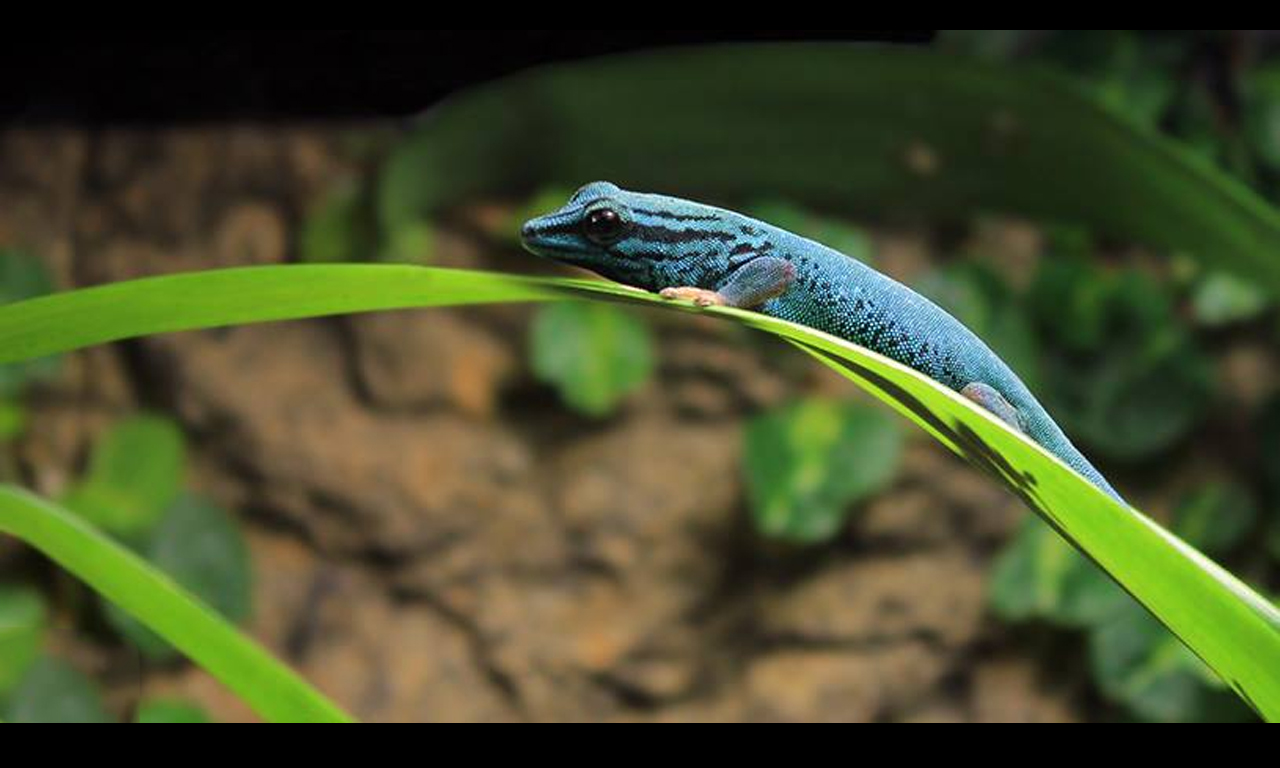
x: 436, y: 538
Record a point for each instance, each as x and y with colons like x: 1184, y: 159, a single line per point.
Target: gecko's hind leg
x: 986, y: 396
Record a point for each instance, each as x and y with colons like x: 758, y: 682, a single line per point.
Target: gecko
x: 684, y: 250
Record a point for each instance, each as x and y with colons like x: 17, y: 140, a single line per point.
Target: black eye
x: 603, y: 226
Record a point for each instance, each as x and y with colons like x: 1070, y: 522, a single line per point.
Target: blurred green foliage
x: 1216, y: 517
x: 338, y: 229
x: 806, y: 464
x: 1211, y: 89
x: 1262, y: 112
x: 22, y: 625
x: 1220, y: 298
x: 594, y: 354
x: 53, y: 691
x: 343, y: 228
x: 1122, y: 374
x: 135, y: 472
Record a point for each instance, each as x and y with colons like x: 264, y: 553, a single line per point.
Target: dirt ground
x: 435, y: 538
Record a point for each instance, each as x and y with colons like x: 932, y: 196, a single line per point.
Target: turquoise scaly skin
x: 687, y: 250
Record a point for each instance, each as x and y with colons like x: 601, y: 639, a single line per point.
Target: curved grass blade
x: 859, y: 129
x: 1235, y: 631
x: 273, y: 690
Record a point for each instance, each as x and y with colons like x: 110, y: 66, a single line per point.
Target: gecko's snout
x: 546, y: 235
x: 527, y: 231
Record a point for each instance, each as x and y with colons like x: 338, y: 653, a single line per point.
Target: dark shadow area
x: 161, y: 76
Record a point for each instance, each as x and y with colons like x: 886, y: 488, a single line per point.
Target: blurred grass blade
x: 270, y: 688
x: 858, y: 129
x: 1236, y: 632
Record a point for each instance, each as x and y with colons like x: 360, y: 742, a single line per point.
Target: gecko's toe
x: 698, y: 296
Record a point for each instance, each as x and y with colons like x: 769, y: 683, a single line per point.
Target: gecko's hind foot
x: 986, y: 396
x: 699, y: 296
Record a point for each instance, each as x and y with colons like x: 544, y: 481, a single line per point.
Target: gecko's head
x: 630, y: 237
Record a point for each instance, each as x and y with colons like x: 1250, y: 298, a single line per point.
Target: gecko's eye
x: 603, y: 226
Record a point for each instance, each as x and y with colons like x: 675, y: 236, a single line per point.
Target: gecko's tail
x: 1041, y: 428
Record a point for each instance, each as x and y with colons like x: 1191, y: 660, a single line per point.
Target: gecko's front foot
x: 699, y: 296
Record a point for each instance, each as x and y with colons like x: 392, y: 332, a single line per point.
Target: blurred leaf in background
x: 1262, y: 112
x: 22, y: 624
x: 807, y: 463
x: 339, y: 229
x: 134, y: 473
x: 343, y: 228
x: 170, y: 711
x: 1221, y: 298
x: 1040, y: 576
x: 200, y: 546
x: 409, y: 244
x: 1131, y: 77
x: 1215, y: 517
x: 1122, y: 374
x: 53, y: 691
x: 592, y: 353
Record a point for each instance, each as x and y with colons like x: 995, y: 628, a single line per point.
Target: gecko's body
x: 714, y: 256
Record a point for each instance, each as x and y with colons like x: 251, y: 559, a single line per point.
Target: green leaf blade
x: 270, y: 688
x: 1230, y: 627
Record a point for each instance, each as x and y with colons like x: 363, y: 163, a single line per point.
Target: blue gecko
x: 711, y: 256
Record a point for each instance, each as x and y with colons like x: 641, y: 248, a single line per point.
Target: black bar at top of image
x: 97, y: 77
